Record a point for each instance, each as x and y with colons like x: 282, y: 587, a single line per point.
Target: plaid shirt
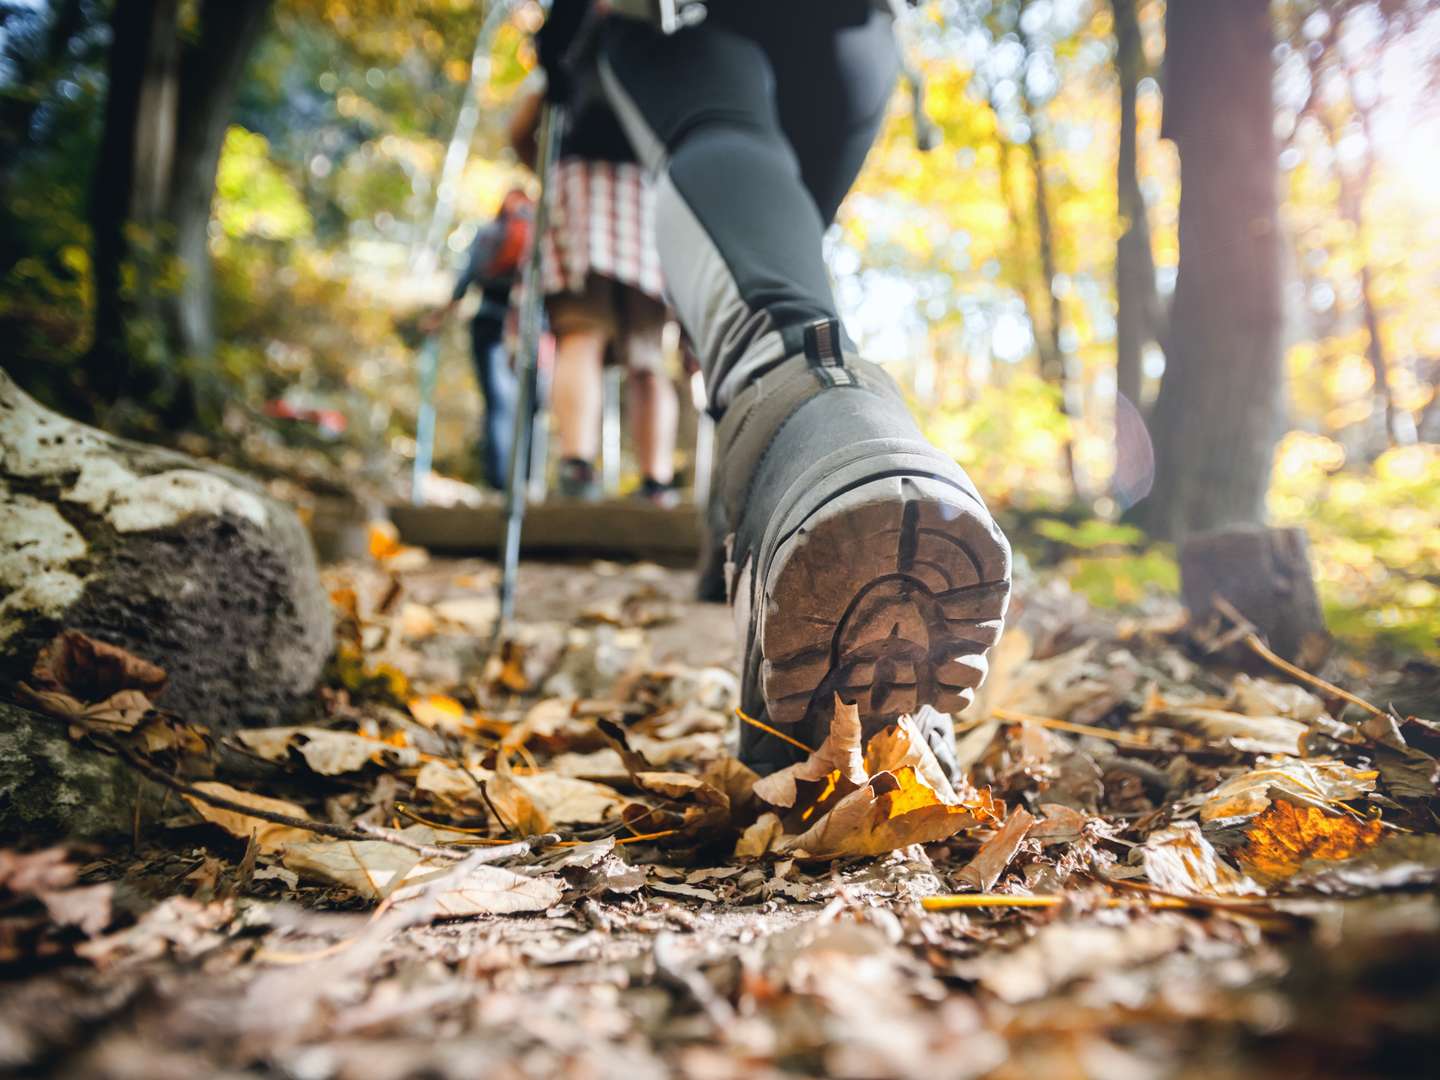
x: 602, y: 221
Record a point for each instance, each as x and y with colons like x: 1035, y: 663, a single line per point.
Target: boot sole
x: 889, y: 595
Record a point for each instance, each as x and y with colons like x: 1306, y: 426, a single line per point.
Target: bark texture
x: 1137, y: 316
x: 166, y: 112
x: 187, y: 565
x: 1218, y: 413
x: 1265, y: 574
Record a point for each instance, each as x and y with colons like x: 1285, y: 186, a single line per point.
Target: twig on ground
x: 1252, y: 641
x: 1009, y: 716
x: 963, y: 901
x: 504, y: 825
x: 774, y: 731
x: 320, y: 828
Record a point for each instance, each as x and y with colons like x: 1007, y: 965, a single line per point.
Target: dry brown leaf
x: 1266, y: 697
x: 117, y: 714
x: 438, y: 778
x: 329, y: 753
x: 470, y: 889
x: 760, y: 837
x: 91, y: 670
x: 372, y: 868
x: 566, y: 800
x: 902, y: 744
x: 269, y: 835
x: 890, y: 811
x: 441, y: 713
x: 1320, y: 780
x: 516, y: 809
x: 1178, y: 859
x: 984, y: 870
x: 836, y: 768
x: 1280, y: 841
x: 475, y: 614
x: 1248, y: 734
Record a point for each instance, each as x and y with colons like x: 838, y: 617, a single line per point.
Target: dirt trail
x: 1242, y: 874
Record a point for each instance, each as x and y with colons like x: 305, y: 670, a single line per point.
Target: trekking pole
x: 425, y: 418
x: 532, y: 310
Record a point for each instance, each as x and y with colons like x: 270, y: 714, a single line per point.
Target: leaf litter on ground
x: 1154, y: 804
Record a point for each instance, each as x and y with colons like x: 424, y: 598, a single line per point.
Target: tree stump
x: 185, y: 564
x: 1265, y: 574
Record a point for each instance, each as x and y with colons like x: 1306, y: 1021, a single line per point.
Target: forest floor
x: 1169, y: 860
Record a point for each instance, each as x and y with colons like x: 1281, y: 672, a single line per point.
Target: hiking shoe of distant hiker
x: 657, y: 493
x: 865, y: 563
x: 575, y: 479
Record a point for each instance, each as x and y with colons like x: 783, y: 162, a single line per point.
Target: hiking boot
x: 864, y: 562
x: 658, y: 493
x: 575, y: 479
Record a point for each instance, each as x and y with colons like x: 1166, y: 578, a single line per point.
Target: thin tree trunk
x: 1353, y: 189
x: 130, y: 181
x: 1137, y: 305
x: 1217, y: 417
x: 210, y: 76
x: 1057, y: 366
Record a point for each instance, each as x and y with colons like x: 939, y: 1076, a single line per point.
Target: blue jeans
x: 499, y: 386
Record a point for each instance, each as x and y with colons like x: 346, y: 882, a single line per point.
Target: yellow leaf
x: 1286, y: 835
x: 440, y: 712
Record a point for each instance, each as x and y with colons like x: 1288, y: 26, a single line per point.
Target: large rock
x: 52, y: 786
x: 188, y: 565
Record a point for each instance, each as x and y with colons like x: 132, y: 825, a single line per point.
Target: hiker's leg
x: 738, y: 233
x: 835, y: 64
x: 654, y: 408
x: 498, y: 387
x: 577, y: 392
x: 866, y: 565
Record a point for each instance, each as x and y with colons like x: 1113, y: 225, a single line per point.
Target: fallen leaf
x: 984, y: 870
x: 759, y: 837
x: 271, y: 836
x: 91, y: 670
x: 441, y: 713
x: 438, y: 778
x: 1178, y: 859
x: 117, y: 714
x: 475, y: 614
x: 836, y: 768
x: 472, y: 888
x: 566, y: 800
x: 1397, y: 861
x: 1248, y: 734
x: 329, y: 753
x: 372, y: 868
x: 890, y: 811
x: 1283, y: 838
x: 1249, y: 793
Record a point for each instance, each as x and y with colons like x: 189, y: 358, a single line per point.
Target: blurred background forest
x: 220, y: 214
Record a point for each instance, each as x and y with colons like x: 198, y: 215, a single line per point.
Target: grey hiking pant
x: 753, y: 125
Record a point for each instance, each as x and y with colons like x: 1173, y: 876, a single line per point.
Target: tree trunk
x: 1056, y: 365
x: 1353, y: 190
x: 164, y: 126
x: 209, y: 77
x: 132, y: 174
x: 1137, y: 306
x: 1217, y: 417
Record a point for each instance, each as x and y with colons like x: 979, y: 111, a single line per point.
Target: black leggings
x: 754, y: 125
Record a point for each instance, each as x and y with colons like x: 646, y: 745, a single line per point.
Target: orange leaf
x: 1286, y: 835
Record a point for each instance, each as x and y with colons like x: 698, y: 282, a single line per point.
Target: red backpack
x: 517, y: 221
